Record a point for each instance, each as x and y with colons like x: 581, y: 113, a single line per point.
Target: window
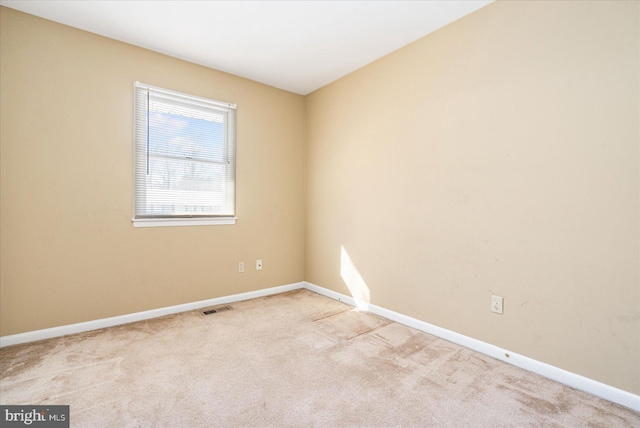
x: 184, y: 159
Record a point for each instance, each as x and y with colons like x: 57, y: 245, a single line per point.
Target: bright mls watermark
x: 35, y: 416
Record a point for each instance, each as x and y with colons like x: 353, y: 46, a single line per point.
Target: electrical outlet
x: 258, y: 264
x: 496, y: 304
x: 241, y: 267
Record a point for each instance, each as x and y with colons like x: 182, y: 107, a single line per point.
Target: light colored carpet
x: 293, y: 359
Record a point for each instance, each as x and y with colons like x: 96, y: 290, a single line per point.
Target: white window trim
x: 203, y: 221
x: 178, y: 221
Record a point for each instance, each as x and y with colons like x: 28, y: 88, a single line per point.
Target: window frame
x: 142, y: 154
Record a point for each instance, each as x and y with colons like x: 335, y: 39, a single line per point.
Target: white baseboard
x: 64, y: 330
x: 573, y: 380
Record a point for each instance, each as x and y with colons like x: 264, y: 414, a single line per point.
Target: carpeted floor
x: 293, y: 359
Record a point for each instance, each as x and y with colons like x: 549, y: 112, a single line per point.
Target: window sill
x: 164, y: 222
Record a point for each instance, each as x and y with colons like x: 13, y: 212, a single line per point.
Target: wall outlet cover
x: 497, y: 304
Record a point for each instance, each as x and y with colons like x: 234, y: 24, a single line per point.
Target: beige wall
x: 497, y: 155
x: 69, y: 252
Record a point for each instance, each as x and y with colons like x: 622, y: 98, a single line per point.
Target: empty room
x: 320, y: 213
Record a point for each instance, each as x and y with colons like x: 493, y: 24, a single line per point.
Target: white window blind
x: 184, y: 159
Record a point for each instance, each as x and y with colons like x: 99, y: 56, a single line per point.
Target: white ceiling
x: 298, y: 46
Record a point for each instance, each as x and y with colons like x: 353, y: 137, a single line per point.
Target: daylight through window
x: 184, y: 159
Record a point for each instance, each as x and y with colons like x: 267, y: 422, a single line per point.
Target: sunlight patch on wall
x: 357, y: 287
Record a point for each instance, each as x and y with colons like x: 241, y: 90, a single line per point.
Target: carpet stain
x: 15, y: 360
